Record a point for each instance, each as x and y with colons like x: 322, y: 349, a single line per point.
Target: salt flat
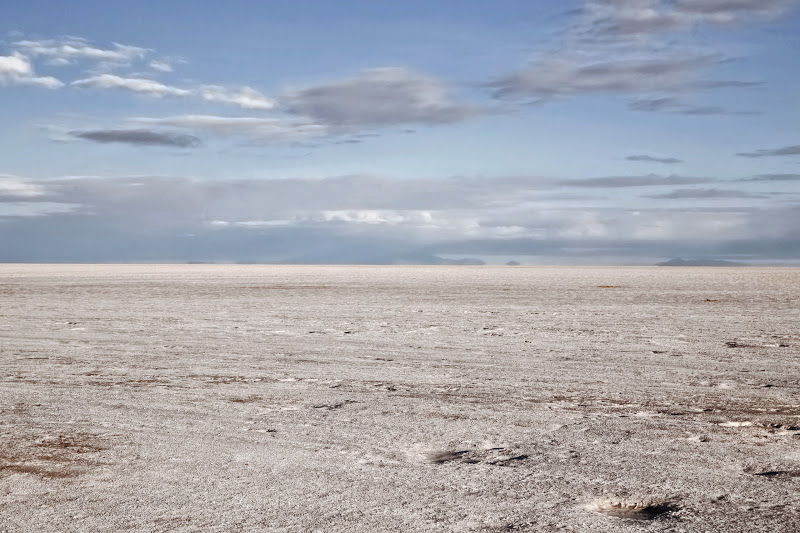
x: 287, y: 398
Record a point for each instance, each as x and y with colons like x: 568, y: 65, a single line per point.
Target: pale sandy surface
x: 249, y: 398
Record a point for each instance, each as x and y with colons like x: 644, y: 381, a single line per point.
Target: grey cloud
x: 139, y: 137
x: 726, y: 11
x: 634, y: 181
x: 722, y: 84
x: 639, y: 35
x: 671, y: 104
x: 702, y: 110
x: 653, y: 159
x: 378, y: 97
x: 786, y: 150
x: 256, y: 129
x: 644, y: 18
x: 557, y: 76
x: 705, y: 194
x: 774, y: 177
x: 664, y: 103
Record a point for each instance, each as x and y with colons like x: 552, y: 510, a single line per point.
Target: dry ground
x: 272, y: 398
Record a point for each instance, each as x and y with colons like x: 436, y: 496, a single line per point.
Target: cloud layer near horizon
x: 375, y: 219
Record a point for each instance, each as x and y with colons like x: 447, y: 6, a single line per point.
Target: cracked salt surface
x: 218, y: 398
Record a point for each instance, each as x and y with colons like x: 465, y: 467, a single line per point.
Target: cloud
x: 705, y: 194
x: 774, y: 177
x: 14, y: 187
x: 65, y: 51
x: 634, y: 181
x: 23, y: 209
x: 368, y: 219
x: 634, y: 47
x: 653, y: 159
x: 259, y: 130
x: 671, y: 104
x: 58, y: 52
x: 639, y: 19
x: 774, y: 152
x: 17, y: 70
x: 378, y: 97
x: 160, y: 66
x: 730, y: 11
x: 246, y: 97
x: 138, y: 138
x: 137, y: 85
x: 550, y: 77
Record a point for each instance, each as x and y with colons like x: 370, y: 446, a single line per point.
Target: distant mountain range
x: 679, y: 261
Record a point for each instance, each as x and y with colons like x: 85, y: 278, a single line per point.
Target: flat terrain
x: 279, y: 398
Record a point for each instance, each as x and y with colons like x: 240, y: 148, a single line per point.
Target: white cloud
x: 65, y: 51
x: 160, y: 66
x: 12, y: 186
x: 34, y: 209
x: 137, y: 85
x: 17, y: 70
x: 246, y: 97
x: 380, y: 217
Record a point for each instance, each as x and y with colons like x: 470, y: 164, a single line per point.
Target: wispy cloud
x: 140, y: 137
x: 654, y: 159
x: 774, y: 177
x: 245, y: 97
x: 705, y: 194
x: 773, y: 152
x: 674, y: 105
x: 65, y: 51
x: 160, y: 66
x: 634, y: 181
x: 638, y: 19
x: 256, y: 129
x: 18, y: 69
x: 550, y: 77
x: 633, y: 47
x: 136, y: 85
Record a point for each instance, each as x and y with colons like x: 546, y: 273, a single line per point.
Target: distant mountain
x: 513, y: 263
x: 680, y: 262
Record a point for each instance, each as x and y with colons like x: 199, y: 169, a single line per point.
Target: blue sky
x: 616, y: 131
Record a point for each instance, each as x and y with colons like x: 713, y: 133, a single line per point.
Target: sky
x: 546, y: 132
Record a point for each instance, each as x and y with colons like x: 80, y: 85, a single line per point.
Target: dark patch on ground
x: 50, y: 457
